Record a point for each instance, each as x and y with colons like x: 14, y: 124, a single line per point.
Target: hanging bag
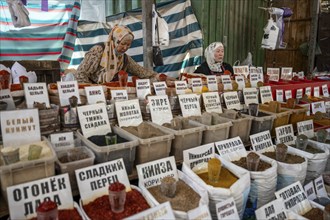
x: 19, y: 14
x: 270, y: 36
x: 157, y: 52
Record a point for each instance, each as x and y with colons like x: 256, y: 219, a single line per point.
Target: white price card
x: 306, y: 128
x: 266, y: 94
x: 180, y: 87
x: 226, y: 81
x: 232, y: 100
x: 284, y: 134
x: 272, y: 210
x: 128, y: 113
x: 197, y: 155
x: 212, y: 102
x: 94, y: 119
x: 93, y: 181
x: 6, y: 96
x: 286, y: 73
x: 20, y: 127
x: 119, y: 95
x: 250, y: 96
x: 241, y: 70
x: 308, y: 91
x: 95, y: 94
x: 319, y: 187
x: 253, y: 69
x: 325, y: 90
x: 160, y: 109
x: 231, y: 149
x: 288, y: 94
x: 274, y: 74
x: 66, y: 90
x: 226, y: 209
x: 151, y: 173
x: 142, y: 88
x: 24, y: 199
x: 310, y: 190
x: 196, y: 84
x: 160, y: 88
x: 202, y: 212
x: 212, y: 83
x: 262, y: 142
x: 62, y: 140
x: 294, y: 198
x: 240, y: 81
x: 301, y: 75
x: 254, y: 79
x: 190, y: 105
x: 317, y: 91
x: 318, y: 107
x: 299, y: 93
x: 279, y: 95
x: 158, y: 212
x: 36, y: 92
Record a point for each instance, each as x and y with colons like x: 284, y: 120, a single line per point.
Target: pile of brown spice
x: 290, y: 158
x: 261, y: 167
x: 314, y: 213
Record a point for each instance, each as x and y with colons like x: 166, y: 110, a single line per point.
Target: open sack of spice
x: 219, y: 177
x: 321, y: 140
x: 169, y: 184
x: 144, y: 130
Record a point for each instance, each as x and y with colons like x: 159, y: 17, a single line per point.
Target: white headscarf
x: 209, y: 54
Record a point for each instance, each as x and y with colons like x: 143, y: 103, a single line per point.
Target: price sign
x: 306, y: 128
x: 262, y: 142
x: 199, y: 213
x: 119, y: 95
x: 190, y: 105
x: 318, y: 107
x: 93, y: 181
x: 301, y: 75
x: 279, y: 95
x: 254, y: 79
x: 240, y: 81
x: 316, y: 91
x: 160, y: 109
x: 128, y: 113
x: 95, y: 94
x: 227, y: 209
x: 266, y: 94
x: 180, y: 87
x: 94, y: 119
x: 62, y: 140
x: 299, y: 93
x: 272, y: 210
x: 20, y: 127
x: 284, y: 134
x: 160, y: 88
x: 288, y: 94
x: 212, y: 102
x: 151, y: 173
x: 241, y: 70
x: 197, y: 85
x: 308, y: 91
x: 66, y: 90
x: 232, y: 100
x: 158, y: 212
x: 325, y: 90
x: 253, y: 69
x: 24, y: 199
x: 250, y: 96
x: 226, y: 81
x: 5, y: 96
x: 274, y: 74
x: 310, y: 191
x: 319, y: 187
x: 286, y: 73
x: 36, y: 92
x: 212, y: 83
x: 231, y: 149
x: 294, y: 198
x: 142, y: 88
x: 197, y: 155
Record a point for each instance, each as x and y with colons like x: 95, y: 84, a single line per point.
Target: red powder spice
x: 47, y: 206
x: 65, y: 214
x: 117, y: 187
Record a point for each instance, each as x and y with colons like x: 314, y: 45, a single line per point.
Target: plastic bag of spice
x: 302, y: 216
x: 238, y: 190
x: 326, y: 145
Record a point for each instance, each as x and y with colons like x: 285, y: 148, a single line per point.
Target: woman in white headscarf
x: 214, y: 64
x: 103, y: 62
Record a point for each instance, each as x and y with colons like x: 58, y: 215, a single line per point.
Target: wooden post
x: 147, y: 33
x: 313, y: 35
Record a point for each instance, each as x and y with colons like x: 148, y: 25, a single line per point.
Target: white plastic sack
x: 164, y: 36
x: 185, y: 178
x: 322, y: 146
x: 295, y: 216
x: 19, y: 14
x: 270, y: 36
x: 239, y: 190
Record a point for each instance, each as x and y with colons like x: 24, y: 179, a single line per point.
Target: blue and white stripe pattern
x: 183, y: 54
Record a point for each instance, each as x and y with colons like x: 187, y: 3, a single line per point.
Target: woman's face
x: 219, y: 54
x: 124, y: 44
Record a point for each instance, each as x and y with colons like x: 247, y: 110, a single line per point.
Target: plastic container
x: 298, y: 114
x: 262, y: 122
x: 125, y: 150
x: 185, y: 139
x: 154, y: 148
x: 26, y: 171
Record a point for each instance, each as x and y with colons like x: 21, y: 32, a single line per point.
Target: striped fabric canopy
x: 183, y: 54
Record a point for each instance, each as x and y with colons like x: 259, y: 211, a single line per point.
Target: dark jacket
x: 204, y: 69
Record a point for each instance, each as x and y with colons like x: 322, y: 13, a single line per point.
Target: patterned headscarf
x: 209, y: 54
x: 111, y: 60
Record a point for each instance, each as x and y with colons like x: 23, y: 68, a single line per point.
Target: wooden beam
x: 313, y: 35
x: 147, y: 33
